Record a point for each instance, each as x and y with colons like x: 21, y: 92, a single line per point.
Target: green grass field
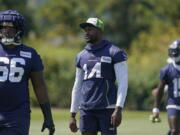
x: 134, y: 123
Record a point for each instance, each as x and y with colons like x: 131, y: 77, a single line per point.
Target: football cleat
x: 154, y: 120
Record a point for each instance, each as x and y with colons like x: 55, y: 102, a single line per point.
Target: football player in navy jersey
x: 170, y: 75
x: 154, y: 91
x: 18, y: 64
x: 98, y: 67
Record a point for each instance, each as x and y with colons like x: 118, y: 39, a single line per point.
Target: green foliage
x: 60, y: 75
x: 59, y: 72
x: 22, y: 7
x: 144, y: 28
x: 124, y: 19
x: 59, y: 18
x: 61, y: 14
x: 127, y: 18
x: 13, y: 4
x: 147, y: 55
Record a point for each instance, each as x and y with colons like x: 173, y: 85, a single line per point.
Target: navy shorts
x: 97, y: 120
x: 173, y: 110
x: 18, y: 127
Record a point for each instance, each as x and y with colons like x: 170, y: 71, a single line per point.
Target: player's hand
x: 155, y: 116
x: 72, y: 125
x: 49, y: 125
x: 48, y: 120
x: 116, y: 117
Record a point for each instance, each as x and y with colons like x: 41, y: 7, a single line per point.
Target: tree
x: 126, y: 19
x: 22, y: 7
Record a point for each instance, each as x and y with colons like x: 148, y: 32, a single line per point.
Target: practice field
x: 134, y: 123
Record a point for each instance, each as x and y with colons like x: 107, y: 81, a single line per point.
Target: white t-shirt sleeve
x: 76, y: 91
x: 121, y: 73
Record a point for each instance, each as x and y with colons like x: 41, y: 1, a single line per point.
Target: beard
x: 91, y: 39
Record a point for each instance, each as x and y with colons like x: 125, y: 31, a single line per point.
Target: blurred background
x: 143, y: 28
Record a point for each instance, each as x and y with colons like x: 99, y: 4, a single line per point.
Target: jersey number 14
x: 95, y: 71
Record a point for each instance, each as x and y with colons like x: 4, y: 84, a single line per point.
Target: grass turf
x: 133, y: 123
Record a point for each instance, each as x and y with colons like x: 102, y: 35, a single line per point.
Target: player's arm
x: 40, y: 89
x: 121, y: 73
x: 75, y: 99
x: 158, y: 97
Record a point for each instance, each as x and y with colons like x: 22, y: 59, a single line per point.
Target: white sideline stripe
x: 173, y: 106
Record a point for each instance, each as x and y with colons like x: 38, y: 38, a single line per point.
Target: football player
x: 170, y: 75
x: 98, y: 67
x: 154, y: 91
x: 18, y: 64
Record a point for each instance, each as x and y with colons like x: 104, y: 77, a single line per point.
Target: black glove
x: 48, y: 120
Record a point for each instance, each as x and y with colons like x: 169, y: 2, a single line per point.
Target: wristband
x: 46, y: 109
x: 155, y: 110
x: 73, y: 115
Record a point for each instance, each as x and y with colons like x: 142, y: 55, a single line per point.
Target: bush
x: 59, y: 63
x: 147, y: 55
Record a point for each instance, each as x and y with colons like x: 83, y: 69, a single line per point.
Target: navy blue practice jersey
x: 171, y: 76
x: 15, y: 67
x: 97, y: 61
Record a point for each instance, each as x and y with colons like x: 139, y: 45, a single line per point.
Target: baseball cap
x: 93, y: 22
